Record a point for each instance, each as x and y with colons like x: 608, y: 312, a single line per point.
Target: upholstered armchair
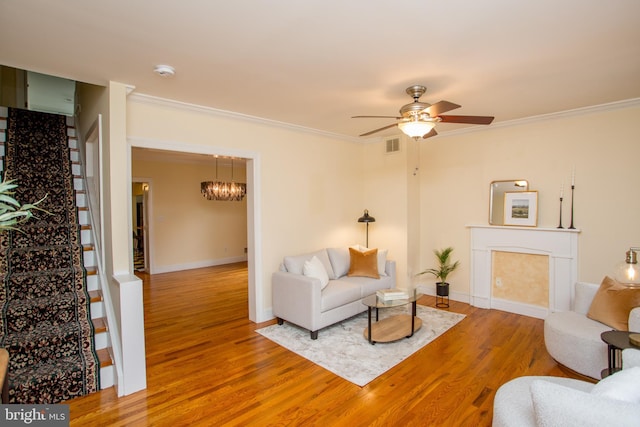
x: 554, y: 401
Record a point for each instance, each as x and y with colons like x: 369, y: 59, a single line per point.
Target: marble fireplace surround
x: 560, y: 245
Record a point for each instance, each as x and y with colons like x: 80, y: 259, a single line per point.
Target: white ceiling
x: 316, y: 63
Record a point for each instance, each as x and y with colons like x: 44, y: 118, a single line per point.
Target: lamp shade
x: 627, y: 272
x: 366, y: 217
x: 416, y: 128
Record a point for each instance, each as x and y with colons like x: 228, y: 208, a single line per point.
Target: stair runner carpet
x: 45, y: 322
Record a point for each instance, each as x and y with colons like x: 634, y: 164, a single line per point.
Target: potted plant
x: 445, y: 267
x: 12, y: 214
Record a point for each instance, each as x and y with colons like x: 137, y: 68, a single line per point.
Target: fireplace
x: 557, y: 246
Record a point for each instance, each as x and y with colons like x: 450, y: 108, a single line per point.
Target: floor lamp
x: 366, y: 218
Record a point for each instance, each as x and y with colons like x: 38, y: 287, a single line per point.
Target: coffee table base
x: 393, y: 328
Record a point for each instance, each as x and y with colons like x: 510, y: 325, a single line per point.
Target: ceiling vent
x: 392, y: 145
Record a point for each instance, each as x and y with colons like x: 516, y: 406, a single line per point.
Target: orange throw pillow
x: 364, y: 263
x: 612, y: 303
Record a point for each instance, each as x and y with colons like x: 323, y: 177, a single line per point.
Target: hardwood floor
x: 207, y: 366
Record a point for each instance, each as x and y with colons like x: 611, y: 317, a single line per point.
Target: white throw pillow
x: 314, y: 268
x: 556, y: 405
x: 382, y: 258
x: 294, y: 264
x: 623, y: 385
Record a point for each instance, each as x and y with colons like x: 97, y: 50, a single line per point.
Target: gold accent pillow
x: 363, y: 263
x: 612, y: 303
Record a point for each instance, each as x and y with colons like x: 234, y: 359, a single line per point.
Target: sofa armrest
x: 296, y: 298
x: 584, y: 296
x: 634, y: 320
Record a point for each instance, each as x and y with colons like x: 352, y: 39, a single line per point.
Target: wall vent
x: 392, y: 145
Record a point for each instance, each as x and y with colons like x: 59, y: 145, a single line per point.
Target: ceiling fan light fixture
x: 416, y: 128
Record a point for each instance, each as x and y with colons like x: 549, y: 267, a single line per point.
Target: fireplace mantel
x: 560, y: 245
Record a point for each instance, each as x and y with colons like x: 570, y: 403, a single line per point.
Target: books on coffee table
x: 392, y: 294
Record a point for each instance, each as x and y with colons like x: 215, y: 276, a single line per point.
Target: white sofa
x: 573, y: 340
x: 300, y: 299
x: 553, y: 401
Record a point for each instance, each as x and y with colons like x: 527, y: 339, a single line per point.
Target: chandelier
x: 223, y: 190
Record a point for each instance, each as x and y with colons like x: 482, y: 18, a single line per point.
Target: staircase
x: 89, y: 257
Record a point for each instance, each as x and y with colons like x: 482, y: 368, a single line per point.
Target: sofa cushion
x: 295, y: 264
x: 364, y: 263
x: 623, y: 385
x: 557, y: 405
x: 368, y: 285
x: 315, y: 268
x: 340, y: 261
x: 612, y: 304
x: 338, y: 293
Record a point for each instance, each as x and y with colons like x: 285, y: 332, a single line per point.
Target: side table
x: 616, y: 342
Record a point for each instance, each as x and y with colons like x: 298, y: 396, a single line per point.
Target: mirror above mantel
x: 496, y: 197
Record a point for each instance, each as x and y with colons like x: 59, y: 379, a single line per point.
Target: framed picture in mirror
x: 521, y: 208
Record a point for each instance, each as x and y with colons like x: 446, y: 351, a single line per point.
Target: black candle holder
x: 571, y: 227
x: 560, y: 226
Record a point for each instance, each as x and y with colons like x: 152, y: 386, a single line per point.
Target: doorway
x: 257, y: 310
x: 140, y: 224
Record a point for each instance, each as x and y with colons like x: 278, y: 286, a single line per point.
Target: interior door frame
x: 257, y: 310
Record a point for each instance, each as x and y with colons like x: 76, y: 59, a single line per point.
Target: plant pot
x: 442, y: 289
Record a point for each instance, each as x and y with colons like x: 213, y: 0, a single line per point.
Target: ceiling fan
x: 418, y: 119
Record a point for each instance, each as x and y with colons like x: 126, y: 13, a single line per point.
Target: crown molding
x: 163, y: 102
x: 611, y: 106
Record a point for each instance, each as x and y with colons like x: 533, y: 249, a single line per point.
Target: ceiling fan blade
x: 441, y: 107
x: 375, y: 117
x: 431, y: 133
x: 474, y: 120
x: 378, y: 130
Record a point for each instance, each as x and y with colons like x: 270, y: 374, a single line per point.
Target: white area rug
x: 343, y: 349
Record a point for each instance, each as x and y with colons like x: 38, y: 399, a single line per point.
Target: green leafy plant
x: 445, y: 266
x: 12, y: 213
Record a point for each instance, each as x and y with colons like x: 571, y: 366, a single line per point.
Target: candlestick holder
x: 560, y: 226
x: 571, y: 227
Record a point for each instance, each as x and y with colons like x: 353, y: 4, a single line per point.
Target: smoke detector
x: 164, y: 70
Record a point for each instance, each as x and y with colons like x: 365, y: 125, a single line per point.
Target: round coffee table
x: 394, y: 327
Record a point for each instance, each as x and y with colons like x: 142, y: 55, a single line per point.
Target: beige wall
x: 314, y: 186
x: 455, y: 172
x: 188, y: 230
x: 311, y: 184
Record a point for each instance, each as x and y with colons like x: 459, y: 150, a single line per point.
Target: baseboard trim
x: 197, y: 264
x: 455, y: 296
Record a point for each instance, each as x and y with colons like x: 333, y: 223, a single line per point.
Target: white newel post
x: 134, y: 366
x: 560, y: 245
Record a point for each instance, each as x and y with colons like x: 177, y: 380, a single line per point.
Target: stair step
x: 104, y: 357
x: 88, y: 247
x: 99, y: 325
x: 95, y: 296
x: 91, y: 271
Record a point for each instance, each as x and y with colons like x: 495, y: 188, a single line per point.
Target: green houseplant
x: 12, y: 214
x: 445, y: 267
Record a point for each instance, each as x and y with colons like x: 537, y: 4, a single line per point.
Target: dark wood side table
x: 616, y: 341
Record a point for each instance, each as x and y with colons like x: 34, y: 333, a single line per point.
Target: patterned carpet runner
x: 44, y: 320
